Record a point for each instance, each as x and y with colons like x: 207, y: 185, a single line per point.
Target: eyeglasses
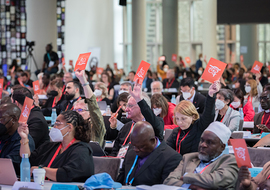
x: 79, y: 110
x: 131, y: 106
x: 265, y: 98
x: 58, y: 123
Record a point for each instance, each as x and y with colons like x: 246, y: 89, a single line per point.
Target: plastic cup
x: 39, y: 176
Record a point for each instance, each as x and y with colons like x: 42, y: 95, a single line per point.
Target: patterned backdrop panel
x: 60, y: 12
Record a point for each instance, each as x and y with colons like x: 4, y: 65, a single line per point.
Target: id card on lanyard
x: 123, y: 151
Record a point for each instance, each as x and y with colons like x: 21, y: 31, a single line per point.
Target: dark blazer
x: 175, y: 83
x: 198, y: 101
x: 257, y: 121
x: 191, y: 142
x: 148, y: 84
x: 38, y: 127
x: 160, y: 163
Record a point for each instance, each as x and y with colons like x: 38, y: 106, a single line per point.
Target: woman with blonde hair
x: 186, y: 137
x: 253, y: 89
x: 101, y: 92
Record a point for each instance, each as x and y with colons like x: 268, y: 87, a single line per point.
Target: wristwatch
x: 85, y: 84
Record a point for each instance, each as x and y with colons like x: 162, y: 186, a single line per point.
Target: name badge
x: 51, y: 63
x: 122, y: 152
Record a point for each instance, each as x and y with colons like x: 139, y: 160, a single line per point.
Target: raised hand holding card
x: 36, y: 87
x: 241, y: 152
x: 28, y: 103
x: 257, y: 66
x: 141, y: 71
x: 82, y: 61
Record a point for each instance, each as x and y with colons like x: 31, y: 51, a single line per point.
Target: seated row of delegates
x: 186, y: 137
x: 224, y: 113
x: 89, y: 110
x: 161, y: 107
x: 238, y: 103
x: 101, y: 93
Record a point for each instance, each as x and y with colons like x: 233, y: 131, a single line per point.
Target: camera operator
x: 51, y: 61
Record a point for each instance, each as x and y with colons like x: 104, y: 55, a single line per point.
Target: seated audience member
x: 149, y: 161
x: 261, y: 120
x: 131, y: 76
x: 89, y: 110
x: 55, y: 97
x: 9, y: 137
x: 170, y: 81
x: 25, y: 80
x: 146, y: 85
x: 162, y: 72
x: 106, y: 79
x: 67, y: 78
x: 123, y: 88
x: 156, y: 87
x: 260, y: 182
x: 253, y: 89
x: 238, y: 103
x: 189, y: 93
x: 38, y: 127
x: 208, y: 168
x: 45, y: 83
x: 101, y: 92
x: 138, y: 109
x: 186, y: 137
x: 72, y: 94
x: 70, y: 137
x: 161, y: 107
x: 155, y: 76
x: 224, y: 113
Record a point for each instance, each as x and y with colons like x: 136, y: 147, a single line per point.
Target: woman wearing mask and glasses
x: 161, y: 107
x: 68, y: 158
x: 224, y: 113
x: 253, y: 90
x: 238, y: 103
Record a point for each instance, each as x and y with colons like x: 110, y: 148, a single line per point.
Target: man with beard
x: 72, y: 93
x: 209, y: 168
x: 9, y: 137
x: 261, y: 120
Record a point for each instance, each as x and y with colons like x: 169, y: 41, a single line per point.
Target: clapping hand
x: 214, y: 88
x: 136, y: 93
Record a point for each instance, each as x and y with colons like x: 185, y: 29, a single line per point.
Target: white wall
x: 41, y: 26
x: 89, y: 23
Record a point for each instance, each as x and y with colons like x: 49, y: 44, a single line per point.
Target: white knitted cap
x: 222, y: 131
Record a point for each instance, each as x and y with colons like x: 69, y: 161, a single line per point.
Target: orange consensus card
x: 187, y: 59
x: 241, y: 152
x: 1, y: 87
x: 115, y: 66
x: 213, y: 70
x: 63, y: 61
x: 161, y: 58
x: 36, y: 87
x: 241, y: 58
x: 174, y: 57
x: 82, y: 61
x: 20, y: 81
x: 99, y: 70
x: 28, y: 102
x: 256, y: 68
x: 141, y: 71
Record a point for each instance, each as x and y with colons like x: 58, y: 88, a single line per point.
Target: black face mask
x: 3, y: 129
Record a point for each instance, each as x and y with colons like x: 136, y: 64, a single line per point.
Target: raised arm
x: 80, y: 74
x: 23, y: 132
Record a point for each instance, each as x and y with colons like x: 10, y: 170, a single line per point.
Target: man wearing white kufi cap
x: 208, y: 168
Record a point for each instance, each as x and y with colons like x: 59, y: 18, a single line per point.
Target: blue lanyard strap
x: 49, y: 57
x: 130, y: 171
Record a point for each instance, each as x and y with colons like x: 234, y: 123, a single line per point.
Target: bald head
x: 11, y: 110
x: 143, y: 138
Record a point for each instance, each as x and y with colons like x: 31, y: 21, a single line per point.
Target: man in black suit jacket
x: 149, y: 161
x: 170, y: 81
x: 189, y: 93
x: 38, y: 127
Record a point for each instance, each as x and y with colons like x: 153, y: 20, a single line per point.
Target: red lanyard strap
x: 57, y: 151
x: 128, y: 134
x: 72, y: 106
x: 169, y: 85
x: 178, y: 136
x: 204, y: 169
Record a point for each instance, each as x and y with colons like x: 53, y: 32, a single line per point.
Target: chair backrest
x: 241, y: 125
x: 97, y: 150
x: 168, y: 132
x: 258, y: 156
x: 109, y: 165
x: 237, y: 135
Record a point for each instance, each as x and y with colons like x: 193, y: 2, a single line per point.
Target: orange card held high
x: 257, y: 66
x: 28, y: 102
x: 63, y: 61
x: 187, y: 59
x: 213, y: 70
x: 36, y: 87
x: 82, y: 61
x: 99, y: 70
x: 241, y: 152
x: 1, y: 87
x: 141, y: 71
x: 174, y: 57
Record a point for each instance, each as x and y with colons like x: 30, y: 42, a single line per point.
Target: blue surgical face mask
x: 8, y: 77
x: 181, y: 77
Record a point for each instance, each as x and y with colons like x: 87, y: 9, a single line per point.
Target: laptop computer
x: 7, y: 172
x: 102, y: 105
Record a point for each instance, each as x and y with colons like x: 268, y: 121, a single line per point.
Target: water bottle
x: 108, y: 111
x: 173, y: 100
x: 241, y: 113
x: 53, y: 116
x: 25, y: 168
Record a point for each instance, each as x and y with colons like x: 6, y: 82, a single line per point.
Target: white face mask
x: 97, y: 93
x: 200, y: 72
x: 56, y: 135
x: 186, y: 95
x: 121, y: 91
x: 157, y: 111
x: 219, y: 104
x: 201, y: 59
x: 165, y: 69
x: 236, y: 104
x: 247, y: 89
